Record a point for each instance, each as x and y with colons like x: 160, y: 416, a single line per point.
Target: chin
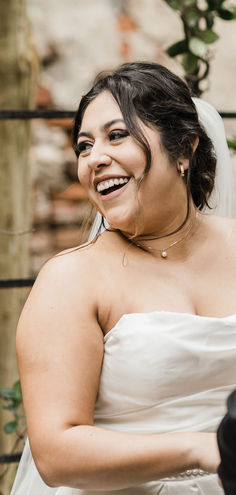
x: 121, y: 223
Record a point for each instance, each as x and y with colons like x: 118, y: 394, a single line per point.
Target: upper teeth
x: 110, y: 183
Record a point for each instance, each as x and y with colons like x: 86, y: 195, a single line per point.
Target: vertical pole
x: 18, y: 63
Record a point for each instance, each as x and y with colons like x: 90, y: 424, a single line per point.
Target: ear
x: 195, y: 143
x: 183, y: 163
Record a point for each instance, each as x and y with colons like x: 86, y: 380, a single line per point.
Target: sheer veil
x: 221, y: 200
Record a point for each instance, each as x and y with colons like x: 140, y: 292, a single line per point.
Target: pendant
x: 164, y: 254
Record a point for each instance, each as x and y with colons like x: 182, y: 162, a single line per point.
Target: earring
x: 181, y: 170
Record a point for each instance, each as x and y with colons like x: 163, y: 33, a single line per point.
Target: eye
x: 118, y: 134
x: 82, y: 147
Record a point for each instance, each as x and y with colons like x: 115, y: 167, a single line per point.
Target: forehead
x: 101, y: 110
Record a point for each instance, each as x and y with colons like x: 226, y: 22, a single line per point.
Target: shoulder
x: 221, y: 231
x: 218, y: 224
x: 77, y: 268
x: 73, y: 262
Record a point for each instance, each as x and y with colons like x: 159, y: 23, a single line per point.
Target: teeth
x: 110, y: 183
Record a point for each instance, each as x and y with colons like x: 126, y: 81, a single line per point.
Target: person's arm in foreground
x: 60, y: 351
x: 226, y: 438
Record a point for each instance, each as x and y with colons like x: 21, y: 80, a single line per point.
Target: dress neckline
x: 166, y: 313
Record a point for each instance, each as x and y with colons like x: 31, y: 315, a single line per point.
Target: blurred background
x: 50, y: 51
x: 74, y: 41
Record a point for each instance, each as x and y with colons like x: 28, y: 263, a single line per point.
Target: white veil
x: 221, y: 199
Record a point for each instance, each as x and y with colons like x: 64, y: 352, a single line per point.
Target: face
x: 110, y: 164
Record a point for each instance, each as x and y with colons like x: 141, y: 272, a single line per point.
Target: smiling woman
x: 133, y: 361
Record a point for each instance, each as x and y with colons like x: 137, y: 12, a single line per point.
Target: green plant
x: 198, y: 18
x: 11, y: 400
x: 232, y: 143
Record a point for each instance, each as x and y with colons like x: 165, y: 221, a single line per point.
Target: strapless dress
x: 162, y: 372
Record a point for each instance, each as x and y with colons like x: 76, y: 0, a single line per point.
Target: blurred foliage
x: 11, y: 400
x: 198, y: 18
x: 232, y: 143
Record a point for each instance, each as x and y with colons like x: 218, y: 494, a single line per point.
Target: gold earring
x: 181, y: 170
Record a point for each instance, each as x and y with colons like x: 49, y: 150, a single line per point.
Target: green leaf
x: 190, y: 3
x: 197, y: 47
x: 174, y: 4
x: 7, y: 393
x: 177, y: 48
x: 232, y: 143
x: 214, y: 4
x: 192, y: 15
x: 17, y: 388
x: 189, y: 63
x: 209, y: 20
x: 10, y: 427
x: 14, y: 408
x: 208, y: 36
x: 225, y: 14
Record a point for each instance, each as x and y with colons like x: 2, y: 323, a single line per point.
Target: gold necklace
x: 163, y: 251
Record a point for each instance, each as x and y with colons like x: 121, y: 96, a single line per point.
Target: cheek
x: 136, y: 163
x: 82, y: 173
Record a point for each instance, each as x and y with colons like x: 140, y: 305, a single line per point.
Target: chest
x: 206, y: 287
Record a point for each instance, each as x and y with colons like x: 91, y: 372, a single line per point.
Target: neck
x: 159, y: 243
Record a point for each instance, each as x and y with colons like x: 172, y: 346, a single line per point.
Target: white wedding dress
x: 162, y: 372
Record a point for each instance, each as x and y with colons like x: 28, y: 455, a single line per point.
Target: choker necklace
x: 163, y: 252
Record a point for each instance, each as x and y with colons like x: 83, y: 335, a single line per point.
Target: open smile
x: 108, y: 186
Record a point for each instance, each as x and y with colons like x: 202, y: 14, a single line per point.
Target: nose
x: 98, y: 158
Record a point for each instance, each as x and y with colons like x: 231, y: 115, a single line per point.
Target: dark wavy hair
x: 159, y: 98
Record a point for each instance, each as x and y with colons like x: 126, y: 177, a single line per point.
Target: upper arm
x: 60, y: 351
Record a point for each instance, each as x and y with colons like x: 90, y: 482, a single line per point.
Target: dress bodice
x: 166, y: 372
x: 162, y: 372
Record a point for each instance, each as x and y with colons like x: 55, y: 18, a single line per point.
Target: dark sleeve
x: 226, y: 437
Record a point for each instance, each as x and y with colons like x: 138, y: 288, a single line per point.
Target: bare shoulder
x: 73, y: 268
x: 220, y: 233
x: 220, y: 225
x: 70, y: 280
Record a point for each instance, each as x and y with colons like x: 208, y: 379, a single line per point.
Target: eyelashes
x: 80, y: 147
x: 84, y: 146
x: 118, y: 134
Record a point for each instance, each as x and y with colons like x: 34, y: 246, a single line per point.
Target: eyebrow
x: 103, y: 128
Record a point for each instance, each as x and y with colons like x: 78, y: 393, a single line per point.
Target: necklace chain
x: 163, y: 251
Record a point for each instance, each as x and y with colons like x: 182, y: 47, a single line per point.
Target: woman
x: 127, y: 345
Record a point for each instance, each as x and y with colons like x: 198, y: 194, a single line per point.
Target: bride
x: 127, y: 345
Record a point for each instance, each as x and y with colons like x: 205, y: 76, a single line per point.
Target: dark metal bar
x: 228, y: 115
x: 63, y: 114
x: 8, y: 458
x: 16, y: 282
x: 36, y: 114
